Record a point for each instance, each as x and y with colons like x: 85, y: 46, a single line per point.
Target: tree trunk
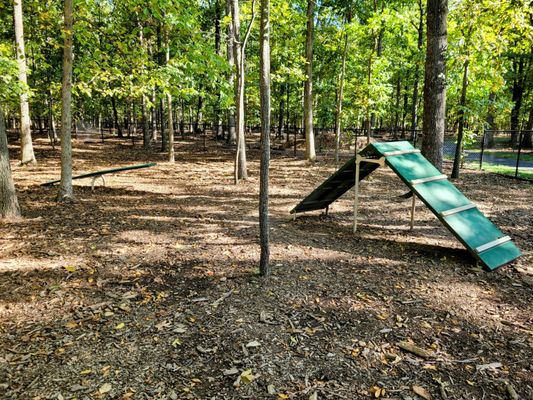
x: 420, y: 43
x: 434, y: 124
x: 308, y: 88
x: 281, y: 111
x: 115, y: 117
x: 170, y: 131
x: 517, y: 98
x: 527, y: 142
x: 66, y: 192
x: 217, y: 119
x: 146, y: 128
x: 239, y: 48
x: 164, y: 132
x: 231, y: 77
x: 27, y: 155
x: 340, y: 99
x: 9, y: 206
x: 460, y: 134
x: 154, y: 116
x: 264, y: 223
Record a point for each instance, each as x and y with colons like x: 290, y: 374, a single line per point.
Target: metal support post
x: 356, y: 200
x: 413, y: 208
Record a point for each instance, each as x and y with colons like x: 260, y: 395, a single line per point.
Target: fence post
x: 482, y: 149
x: 518, y: 155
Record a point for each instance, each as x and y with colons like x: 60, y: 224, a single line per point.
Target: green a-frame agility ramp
x: 480, y: 236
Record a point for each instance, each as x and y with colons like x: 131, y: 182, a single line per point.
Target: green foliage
x: 121, y: 47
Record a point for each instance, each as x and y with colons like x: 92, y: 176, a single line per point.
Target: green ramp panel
x: 337, y: 184
x: 475, y: 231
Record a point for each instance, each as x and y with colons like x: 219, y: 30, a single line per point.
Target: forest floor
x: 148, y: 288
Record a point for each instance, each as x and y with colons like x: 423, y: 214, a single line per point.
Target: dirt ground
x: 147, y: 288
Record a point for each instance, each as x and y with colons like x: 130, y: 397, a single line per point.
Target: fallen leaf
x: 494, y: 365
x: 176, y: 342
x: 105, y: 388
x: 70, y: 268
x: 231, y: 371
x: 419, y: 390
x: 120, y: 326
x: 253, y: 343
x: 377, y: 391
x: 247, y: 376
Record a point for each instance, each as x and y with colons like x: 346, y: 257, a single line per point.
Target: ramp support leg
x: 94, y: 180
x: 413, y: 208
x: 356, y: 200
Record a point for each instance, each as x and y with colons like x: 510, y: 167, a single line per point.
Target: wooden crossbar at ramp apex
x: 103, y: 172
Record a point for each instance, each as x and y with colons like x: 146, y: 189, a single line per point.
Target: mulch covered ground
x: 147, y: 288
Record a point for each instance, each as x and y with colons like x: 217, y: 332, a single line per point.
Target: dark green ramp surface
x: 480, y: 236
x: 337, y: 184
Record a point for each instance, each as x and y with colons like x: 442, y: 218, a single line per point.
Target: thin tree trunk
x: 217, y: 119
x: 239, y: 48
x: 27, y: 155
x: 435, y: 82
x: 9, y: 206
x: 310, y: 153
x: 154, y: 116
x: 170, y: 131
x: 66, y: 192
x: 231, y: 77
x: 264, y: 223
x: 527, y: 142
x: 420, y: 43
x: 115, y: 117
x: 460, y: 134
x: 164, y: 132
x: 340, y: 99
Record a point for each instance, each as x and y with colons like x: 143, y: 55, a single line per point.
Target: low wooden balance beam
x: 100, y: 174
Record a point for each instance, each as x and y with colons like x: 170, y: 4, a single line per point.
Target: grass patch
x: 501, y: 169
x: 506, y: 154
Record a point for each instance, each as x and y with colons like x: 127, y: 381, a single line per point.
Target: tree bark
x: 115, y: 117
x: 66, y: 191
x: 154, y: 116
x: 241, y: 171
x: 434, y: 124
x: 9, y: 206
x: 460, y: 133
x: 231, y: 77
x: 340, y: 99
x: 164, y: 132
x: 264, y: 223
x: 420, y: 43
x: 27, y: 155
x: 170, y: 131
x: 308, y: 88
x: 527, y: 141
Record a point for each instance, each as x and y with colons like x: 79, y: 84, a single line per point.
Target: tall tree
x: 420, y: 43
x: 27, y: 155
x: 340, y: 93
x: 264, y: 223
x: 239, y: 52
x: 434, y: 124
x: 170, y: 134
x: 231, y: 75
x: 9, y: 206
x: 66, y: 191
x: 308, y: 88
